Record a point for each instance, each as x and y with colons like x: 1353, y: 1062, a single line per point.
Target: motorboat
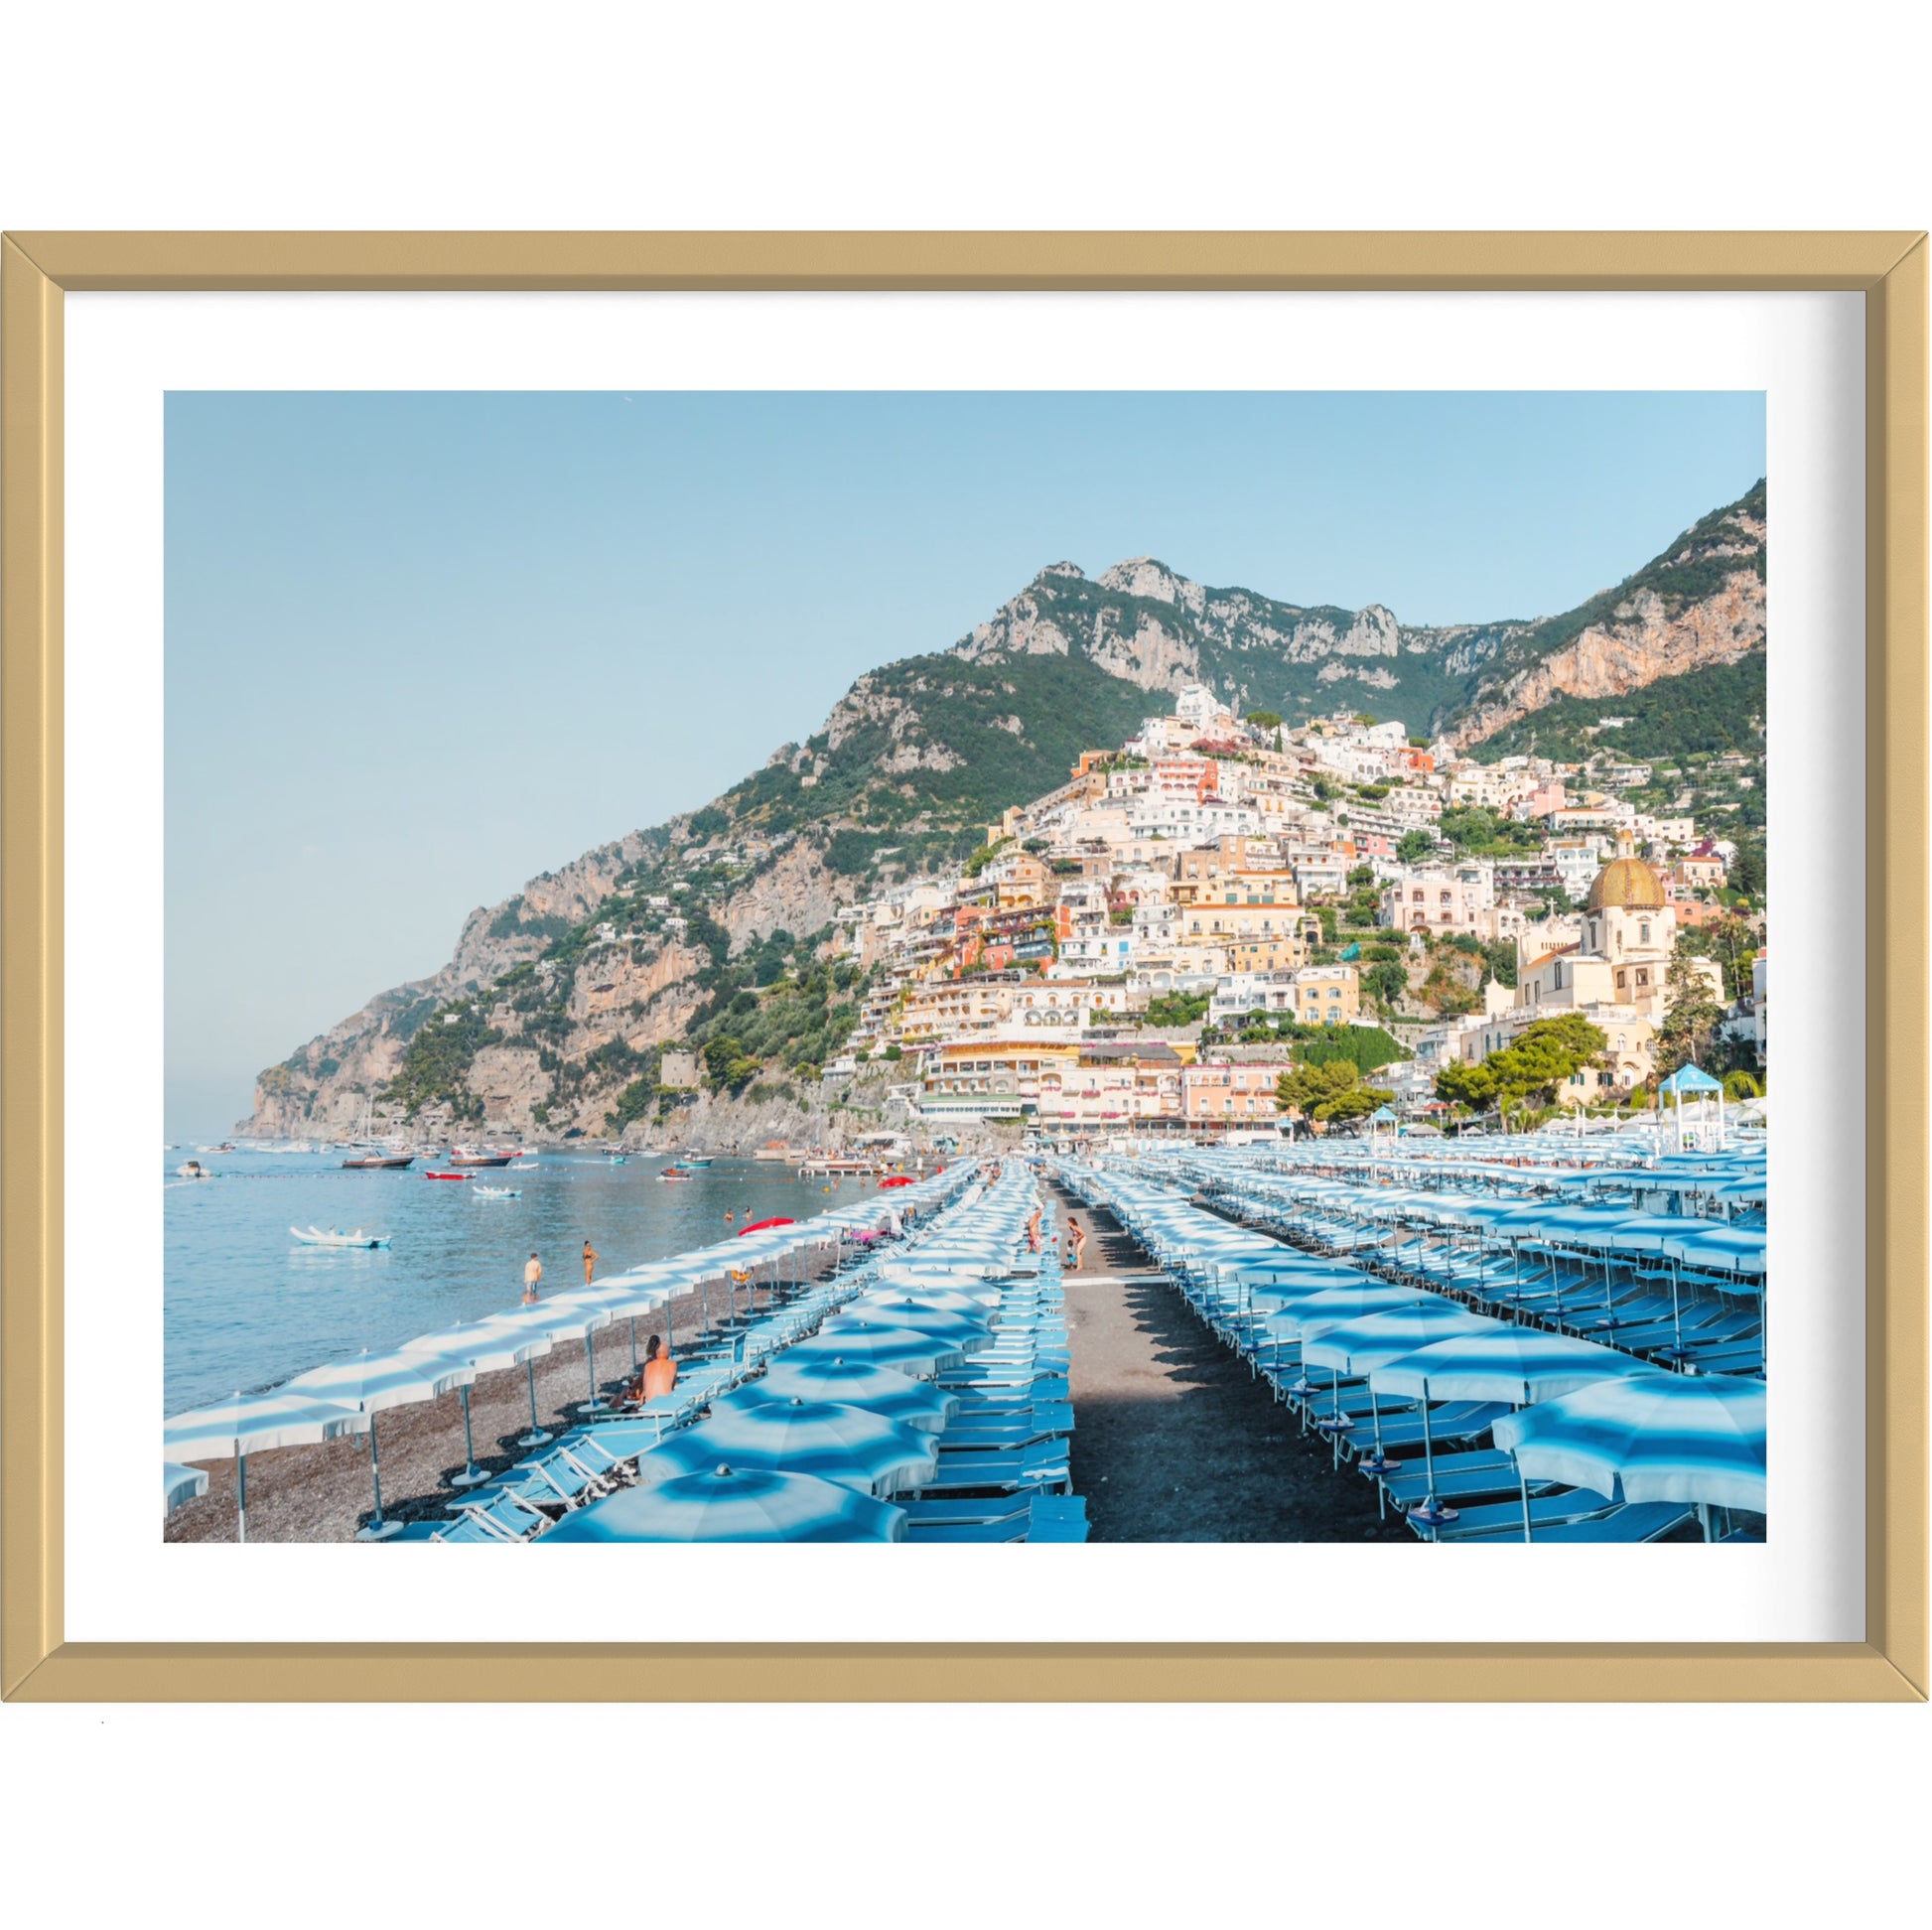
x: 315, y: 1236
x: 676, y: 1172
x: 698, y: 1159
x: 380, y: 1163
x: 469, y: 1156
x: 446, y: 1176
x: 192, y: 1169
x: 496, y: 1193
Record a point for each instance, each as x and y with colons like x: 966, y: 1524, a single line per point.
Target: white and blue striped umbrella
x: 848, y: 1444
x: 1512, y: 1364
x: 488, y: 1347
x: 1335, y: 1305
x: 969, y: 1336
x: 854, y: 1383
x: 1354, y: 1347
x: 1733, y: 1249
x: 922, y: 1355
x: 252, y: 1424
x: 179, y: 1485
x: 734, y: 1504
x: 1689, y: 1438
x: 375, y: 1382
x: 942, y: 1299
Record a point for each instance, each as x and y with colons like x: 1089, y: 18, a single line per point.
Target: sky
x: 421, y: 647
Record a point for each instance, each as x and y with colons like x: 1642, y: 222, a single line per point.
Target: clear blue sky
x: 421, y: 647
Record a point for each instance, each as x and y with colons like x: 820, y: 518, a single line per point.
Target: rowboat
x: 446, y: 1176
x: 315, y: 1236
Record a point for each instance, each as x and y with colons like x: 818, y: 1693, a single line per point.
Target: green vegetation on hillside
x: 1717, y: 708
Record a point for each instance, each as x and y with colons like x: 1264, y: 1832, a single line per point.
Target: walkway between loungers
x: 1172, y: 1440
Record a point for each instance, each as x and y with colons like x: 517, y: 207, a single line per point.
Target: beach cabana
x: 1701, y: 1085
x: 252, y: 1424
x: 734, y: 1504
x: 1698, y: 1439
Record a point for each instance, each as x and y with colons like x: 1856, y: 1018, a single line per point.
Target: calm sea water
x: 246, y: 1306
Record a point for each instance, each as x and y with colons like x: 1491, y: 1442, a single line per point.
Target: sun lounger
x: 1044, y: 1465
x: 1495, y: 1517
x: 1640, y: 1521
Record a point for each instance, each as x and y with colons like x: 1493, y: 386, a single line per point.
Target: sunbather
x: 661, y: 1370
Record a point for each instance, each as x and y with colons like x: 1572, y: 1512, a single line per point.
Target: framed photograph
x: 786, y: 904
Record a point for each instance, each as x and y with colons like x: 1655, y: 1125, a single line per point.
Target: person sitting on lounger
x: 661, y: 1370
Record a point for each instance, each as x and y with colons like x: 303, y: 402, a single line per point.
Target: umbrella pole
x: 1523, y: 1482
x: 633, y: 1344
x: 1676, y: 1319
x: 593, y: 1405
x: 378, y: 1529
x: 241, y: 1498
x: 472, y: 1473
x: 1335, y: 1402
x: 536, y: 1436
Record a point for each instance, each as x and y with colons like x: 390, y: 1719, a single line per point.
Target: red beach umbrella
x: 758, y: 1226
x: 902, y: 1180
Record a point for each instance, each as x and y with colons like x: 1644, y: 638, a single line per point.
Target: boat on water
x: 336, y: 1237
x: 497, y: 1192
x: 380, y: 1163
x: 524, y: 1166
x: 615, y: 1159
x: 472, y: 1156
x: 676, y: 1172
x: 446, y: 1176
x: 192, y: 1169
x: 698, y: 1159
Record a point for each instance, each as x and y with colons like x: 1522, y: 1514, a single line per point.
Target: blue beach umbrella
x: 1354, y: 1347
x: 854, y: 1383
x: 922, y: 1355
x: 1513, y: 1363
x: 966, y: 1337
x: 734, y: 1504
x: 848, y: 1444
x: 374, y: 1382
x: 1694, y: 1439
x: 552, y: 1320
x: 179, y: 1485
x: 1735, y: 1249
x: 252, y: 1424
x: 489, y: 1348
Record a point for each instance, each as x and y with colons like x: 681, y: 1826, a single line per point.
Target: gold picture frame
x: 36, y: 270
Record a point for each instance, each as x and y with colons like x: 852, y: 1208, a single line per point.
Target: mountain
x: 554, y: 1008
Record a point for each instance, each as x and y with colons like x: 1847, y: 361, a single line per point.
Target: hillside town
x: 1225, y: 926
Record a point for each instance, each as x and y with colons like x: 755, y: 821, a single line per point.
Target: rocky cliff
x: 710, y: 931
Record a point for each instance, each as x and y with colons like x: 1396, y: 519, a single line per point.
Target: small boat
x: 496, y: 1193
x: 676, y: 1172
x: 524, y: 1166
x: 446, y: 1176
x: 469, y: 1156
x: 315, y: 1236
x: 380, y: 1163
x: 616, y: 1158
x: 192, y: 1169
x: 698, y: 1159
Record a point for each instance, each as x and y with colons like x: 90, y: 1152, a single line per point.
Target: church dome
x: 1625, y: 884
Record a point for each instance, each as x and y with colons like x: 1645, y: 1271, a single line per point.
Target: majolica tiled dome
x: 1627, y: 883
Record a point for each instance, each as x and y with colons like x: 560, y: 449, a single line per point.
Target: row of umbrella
x: 1586, y: 1415
x: 842, y: 1421
x: 346, y: 1397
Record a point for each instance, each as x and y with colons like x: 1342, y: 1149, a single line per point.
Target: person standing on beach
x: 591, y: 1258
x: 531, y: 1275
x: 1077, y: 1236
x: 1033, y: 1232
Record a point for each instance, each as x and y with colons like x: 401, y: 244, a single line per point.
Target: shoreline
x: 323, y: 1494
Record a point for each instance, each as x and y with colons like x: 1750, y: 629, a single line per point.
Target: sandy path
x: 1172, y: 1438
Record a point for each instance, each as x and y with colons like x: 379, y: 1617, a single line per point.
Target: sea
x: 247, y: 1305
